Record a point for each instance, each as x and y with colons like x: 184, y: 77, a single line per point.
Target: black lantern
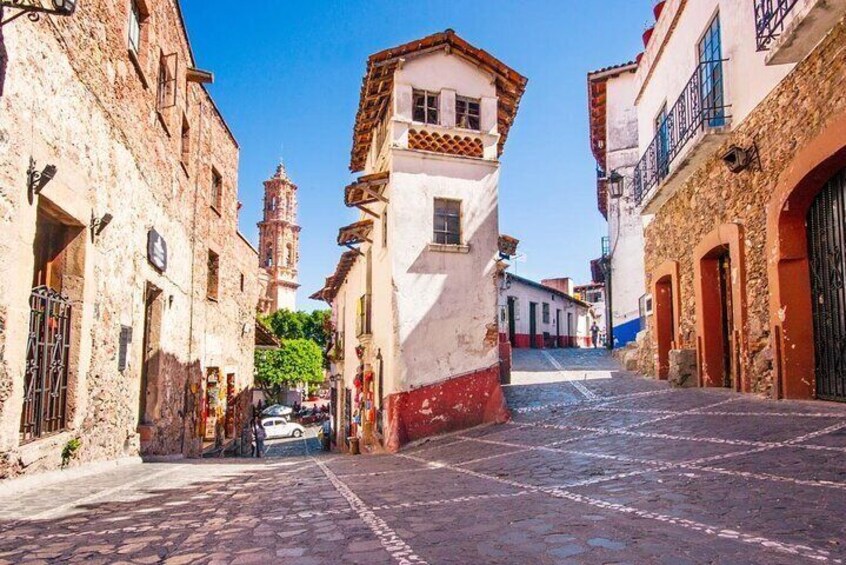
x: 34, y: 9
x: 615, y: 185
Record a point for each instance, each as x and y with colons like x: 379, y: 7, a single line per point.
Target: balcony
x: 790, y: 29
x: 363, y: 308
x: 691, y: 130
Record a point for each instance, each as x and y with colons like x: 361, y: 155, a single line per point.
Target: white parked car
x: 280, y: 427
x: 277, y: 410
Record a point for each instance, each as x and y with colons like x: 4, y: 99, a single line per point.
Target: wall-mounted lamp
x: 737, y: 159
x: 99, y: 224
x: 37, y: 180
x: 616, y: 183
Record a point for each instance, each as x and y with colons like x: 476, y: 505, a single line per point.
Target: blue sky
x: 287, y: 79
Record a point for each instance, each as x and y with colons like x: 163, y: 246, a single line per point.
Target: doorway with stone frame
x: 666, y: 317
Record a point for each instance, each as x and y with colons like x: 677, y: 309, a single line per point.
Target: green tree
x: 296, y: 361
x: 286, y: 324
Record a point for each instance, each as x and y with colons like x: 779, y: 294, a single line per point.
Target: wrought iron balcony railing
x: 701, y: 105
x: 770, y: 16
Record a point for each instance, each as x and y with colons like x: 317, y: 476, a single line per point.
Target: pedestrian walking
x: 260, y: 435
x: 594, y: 334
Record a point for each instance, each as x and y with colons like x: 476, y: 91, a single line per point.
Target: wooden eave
x: 367, y: 190
x: 334, y: 282
x: 356, y: 233
x: 377, y: 86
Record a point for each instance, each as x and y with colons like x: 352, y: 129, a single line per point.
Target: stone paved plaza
x: 597, y: 466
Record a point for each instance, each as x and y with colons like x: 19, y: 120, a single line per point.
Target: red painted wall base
x: 457, y: 403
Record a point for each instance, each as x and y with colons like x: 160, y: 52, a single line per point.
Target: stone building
x: 741, y: 178
x: 279, y: 243
x: 415, y: 301
x: 614, y: 143
x: 127, y: 295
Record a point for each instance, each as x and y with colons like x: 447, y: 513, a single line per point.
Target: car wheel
x: 297, y: 433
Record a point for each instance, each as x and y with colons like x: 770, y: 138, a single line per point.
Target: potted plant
x: 658, y: 8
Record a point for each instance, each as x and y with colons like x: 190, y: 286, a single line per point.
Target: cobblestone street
x: 597, y: 466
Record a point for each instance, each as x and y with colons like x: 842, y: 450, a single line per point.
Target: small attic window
x: 425, y: 107
x: 467, y: 113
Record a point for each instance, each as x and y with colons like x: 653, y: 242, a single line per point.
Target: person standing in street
x: 594, y: 334
x: 260, y: 435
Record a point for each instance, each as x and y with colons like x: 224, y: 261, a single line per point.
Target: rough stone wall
x: 70, y: 95
x: 790, y: 116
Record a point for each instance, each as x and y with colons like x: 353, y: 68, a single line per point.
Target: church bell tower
x: 279, y: 243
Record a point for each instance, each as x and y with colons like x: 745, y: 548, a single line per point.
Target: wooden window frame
x: 431, y: 106
x: 466, y: 114
x: 216, y: 191
x: 444, y: 216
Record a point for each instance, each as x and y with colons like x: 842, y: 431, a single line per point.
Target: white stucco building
x: 415, y: 302
x: 535, y: 315
x: 614, y: 142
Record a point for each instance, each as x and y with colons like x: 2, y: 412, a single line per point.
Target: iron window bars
x: 47, y: 353
x: 701, y: 105
x: 770, y: 16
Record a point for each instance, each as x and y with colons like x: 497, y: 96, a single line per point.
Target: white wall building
x: 415, y: 305
x: 538, y: 316
x: 614, y: 141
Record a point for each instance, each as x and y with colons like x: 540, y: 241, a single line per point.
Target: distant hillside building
x: 279, y: 243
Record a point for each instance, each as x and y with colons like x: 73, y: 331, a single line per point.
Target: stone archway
x: 667, y: 300
x: 721, y: 307
x: 787, y: 258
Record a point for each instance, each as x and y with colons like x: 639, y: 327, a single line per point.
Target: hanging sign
x: 156, y: 250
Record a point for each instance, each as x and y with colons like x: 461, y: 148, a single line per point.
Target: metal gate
x: 46, y: 377
x: 826, y: 228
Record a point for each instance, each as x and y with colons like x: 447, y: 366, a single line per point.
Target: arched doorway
x: 720, y: 307
x: 791, y: 310
x: 665, y: 290
x: 826, y: 233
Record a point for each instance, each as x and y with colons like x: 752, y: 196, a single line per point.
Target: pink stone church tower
x: 279, y: 243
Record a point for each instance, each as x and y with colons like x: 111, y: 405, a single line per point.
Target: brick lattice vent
x: 445, y: 143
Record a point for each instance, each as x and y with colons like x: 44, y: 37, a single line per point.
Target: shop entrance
x: 826, y: 224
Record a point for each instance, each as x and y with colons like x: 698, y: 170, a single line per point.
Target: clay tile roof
x: 353, y: 234
x: 377, y: 86
x: 334, y: 282
x: 366, y: 189
x: 597, y: 99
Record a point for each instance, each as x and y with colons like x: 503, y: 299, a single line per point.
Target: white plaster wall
x: 662, y: 76
x: 444, y: 300
x: 625, y: 226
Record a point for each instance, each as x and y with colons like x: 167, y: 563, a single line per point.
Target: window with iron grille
x: 711, y: 69
x: 425, y: 107
x: 166, y: 94
x: 216, y: 189
x: 467, y: 113
x: 213, y: 276
x: 447, y: 221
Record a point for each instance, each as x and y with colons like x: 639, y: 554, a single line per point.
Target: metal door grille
x: 46, y: 377
x: 826, y: 229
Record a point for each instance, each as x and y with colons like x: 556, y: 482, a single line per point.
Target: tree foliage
x: 296, y: 361
x: 286, y: 324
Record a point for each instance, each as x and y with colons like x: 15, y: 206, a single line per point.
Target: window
x: 216, y: 189
x: 268, y: 256
x: 662, y: 131
x: 385, y: 228
x: 711, y: 75
x: 213, y: 276
x: 186, y: 141
x: 242, y: 282
x: 289, y: 249
x: 425, y: 107
x: 272, y: 206
x: 447, y: 222
x: 467, y: 113
x: 545, y: 312
x: 135, y: 19
x: 166, y: 97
